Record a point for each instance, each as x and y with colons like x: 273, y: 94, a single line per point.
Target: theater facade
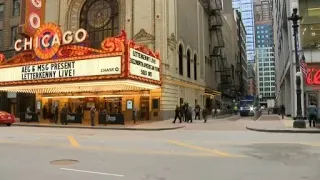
x: 62, y: 68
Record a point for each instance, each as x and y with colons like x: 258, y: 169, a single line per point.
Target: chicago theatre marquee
x: 62, y: 68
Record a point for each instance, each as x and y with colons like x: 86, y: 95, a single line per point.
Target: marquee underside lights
x: 121, y: 85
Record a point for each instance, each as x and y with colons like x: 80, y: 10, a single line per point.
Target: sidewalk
x: 140, y: 126
x: 278, y: 125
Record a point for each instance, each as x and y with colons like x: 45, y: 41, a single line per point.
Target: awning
x: 210, y: 92
x: 94, y: 86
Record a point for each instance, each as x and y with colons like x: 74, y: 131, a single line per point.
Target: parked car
x: 7, y: 118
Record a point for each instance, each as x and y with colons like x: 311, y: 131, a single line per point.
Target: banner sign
x: 67, y: 69
x: 33, y: 13
x: 143, y: 65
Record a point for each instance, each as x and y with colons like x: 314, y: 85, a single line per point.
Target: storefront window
x: 310, y: 24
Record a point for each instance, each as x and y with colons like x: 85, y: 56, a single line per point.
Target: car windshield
x: 246, y: 103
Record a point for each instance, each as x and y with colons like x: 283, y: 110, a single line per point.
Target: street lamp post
x: 299, y: 121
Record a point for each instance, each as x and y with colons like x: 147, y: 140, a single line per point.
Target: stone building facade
x: 164, y: 26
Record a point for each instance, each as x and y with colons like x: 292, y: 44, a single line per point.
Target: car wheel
x: 8, y: 124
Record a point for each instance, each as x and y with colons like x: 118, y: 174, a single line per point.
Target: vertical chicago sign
x: 32, y: 16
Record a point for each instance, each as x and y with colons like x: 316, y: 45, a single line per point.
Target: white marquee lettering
x: 44, y: 42
x: 34, y: 20
x: 83, y: 36
x: 37, y: 3
x: 56, y: 40
x: 27, y: 43
x: 17, y: 45
x: 67, y: 37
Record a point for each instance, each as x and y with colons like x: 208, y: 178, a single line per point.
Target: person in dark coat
x: 282, y: 111
x: 205, y: 114
x: 44, y: 112
x: 177, y: 115
x: 197, y: 112
x: 64, y: 115
x: 186, y: 112
x: 189, y: 115
x: 182, y: 111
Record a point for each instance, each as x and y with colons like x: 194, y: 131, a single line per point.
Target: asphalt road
x: 27, y: 154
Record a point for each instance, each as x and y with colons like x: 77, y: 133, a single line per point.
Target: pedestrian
x: 189, y: 114
x: 197, y: 112
x: 92, y: 115
x: 177, y: 115
x: 282, y: 111
x: 235, y: 109
x: 215, y: 112
x: 186, y: 109
x: 105, y: 112
x: 181, y: 111
x: 28, y: 115
x: 312, y: 114
x: 64, y: 115
x: 134, y: 115
x: 44, y: 112
x: 205, y: 114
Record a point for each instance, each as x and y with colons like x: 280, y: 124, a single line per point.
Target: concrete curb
x: 284, y: 130
x: 99, y: 127
x: 222, y: 117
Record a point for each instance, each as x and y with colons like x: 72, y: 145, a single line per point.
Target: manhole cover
x: 64, y: 162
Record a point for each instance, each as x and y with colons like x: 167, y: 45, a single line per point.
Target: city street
x: 194, y: 152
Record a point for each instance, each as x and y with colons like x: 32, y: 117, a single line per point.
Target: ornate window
x: 188, y: 63
x: 180, y: 59
x: 101, y: 19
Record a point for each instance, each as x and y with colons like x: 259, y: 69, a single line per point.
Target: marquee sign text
x: 49, y: 40
x: 144, y: 65
x: 79, y: 68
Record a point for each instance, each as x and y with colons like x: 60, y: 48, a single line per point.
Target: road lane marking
x: 211, y: 151
x: 93, y: 172
x: 108, y: 149
x: 73, y: 142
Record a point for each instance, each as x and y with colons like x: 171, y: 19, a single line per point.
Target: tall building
x: 308, y: 44
x: 245, y: 7
x: 242, y: 65
x: 262, y: 10
x: 264, y: 50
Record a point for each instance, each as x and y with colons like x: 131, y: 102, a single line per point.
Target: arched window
x: 188, y: 64
x: 180, y: 59
x: 101, y: 19
x: 195, y: 67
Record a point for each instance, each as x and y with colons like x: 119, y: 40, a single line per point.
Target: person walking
x: 282, y: 111
x: 197, y: 112
x: 186, y: 112
x: 312, y: 114
x: 235, y: 109
x: 92, y: 115
x: 177, y: 115
x: 205, y: 114
x: 64, y: 115
x: 189, y: 115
